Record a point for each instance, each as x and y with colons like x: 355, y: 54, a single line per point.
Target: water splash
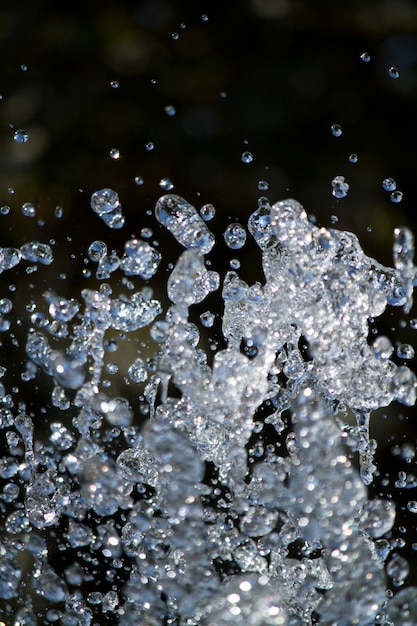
x: 197, y: 518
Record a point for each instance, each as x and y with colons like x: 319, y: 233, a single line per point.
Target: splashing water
x: 195, y: 523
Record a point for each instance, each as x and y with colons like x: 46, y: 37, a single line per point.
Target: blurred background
x: 124, y: 94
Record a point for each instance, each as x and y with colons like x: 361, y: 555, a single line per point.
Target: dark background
x: 268, y: 76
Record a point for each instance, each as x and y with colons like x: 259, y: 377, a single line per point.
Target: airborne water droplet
x: 336, y: 130
x: 29, y: 209
x: 20, y: 136
x: 247, y: 157
x: 235, y: 236
x: 393, y: 72
x: 365, y: 57
x: 396, y: 196
x: 114, y: 154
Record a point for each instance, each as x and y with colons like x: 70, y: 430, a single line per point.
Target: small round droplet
x: 114, y: 154
x: 166, y: 184
x: 139, y: 180
x: 393, y: 72
x: 389, y: 184
x: 149, y: 146
x: 365, y: 57
x: 97, y: 250
x: 114, y: 84
x: 336, y: 130
x: 59, y: 211
x: 24, y: 67
x: 247, y: 157
x: 207, y: 319
x: 204, y: 17
x: 5, y: 209
x: 353, y: 158
x: 405, y: 351
x: 235, y: 236
x: 146, y: 232
x: 20, y: 136
x: 29, y: 209
x: 175, y: 36
x: 412, y: 506
x: 396, y: 196
x: 170, y: 110
x: 263, y: 185
x: 207, y: 212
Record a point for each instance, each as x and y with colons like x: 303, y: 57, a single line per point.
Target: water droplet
x: 149, y: 146
x: 24, y: 68
x: 365, y: 57
x: 20, y: 136
x: 139, y: 180
x: 396, y: 196
x: 59, y: 211
x: 405, y: 351
x: 235, y: 236
x: 204, y: 17
x: 393, y: 72
x: 114, y: 154
x: 207, y: 212
x: 263, y: 185
x: 114, y: 84
x: 183, y: 221
x: 5, y: 209
x: 207, y: 319
x: 137, y: 371
x: 97, y: 250
x: 389, y: 184
x: 175, y: 36
x: 29, y: 209
x: 336, y: 130
x: 247, y: 157
x: 340, y: 187
x: 166, y: 184
x: 353, y: 158
x: 170, y: 110
x: 412, y: 506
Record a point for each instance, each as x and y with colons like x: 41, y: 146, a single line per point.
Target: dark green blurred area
x: 268, y: 76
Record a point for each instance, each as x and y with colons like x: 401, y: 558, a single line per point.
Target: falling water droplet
x: 235, y: 236
x: 247, y: 157
x: 20, y: 136
x: 393, y: 72
x: 336, y: 130
x: 365, y: 57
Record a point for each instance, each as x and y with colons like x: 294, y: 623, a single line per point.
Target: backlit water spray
x: 196, y: 520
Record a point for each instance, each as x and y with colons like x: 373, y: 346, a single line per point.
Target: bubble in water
x: 235, y: 236
x: 336, y: 130
x: 365, y: 57
x: 114, y: 154
x: 20, y: 136
x: 166, y: 184
x: 340, y: 187
x: 247, y: 157
x: 29, y: 209
x: 393, y: 72
x: 396, y: 196
x: 389, y: 184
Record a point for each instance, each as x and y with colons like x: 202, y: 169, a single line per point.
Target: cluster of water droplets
x: 192, y: 516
